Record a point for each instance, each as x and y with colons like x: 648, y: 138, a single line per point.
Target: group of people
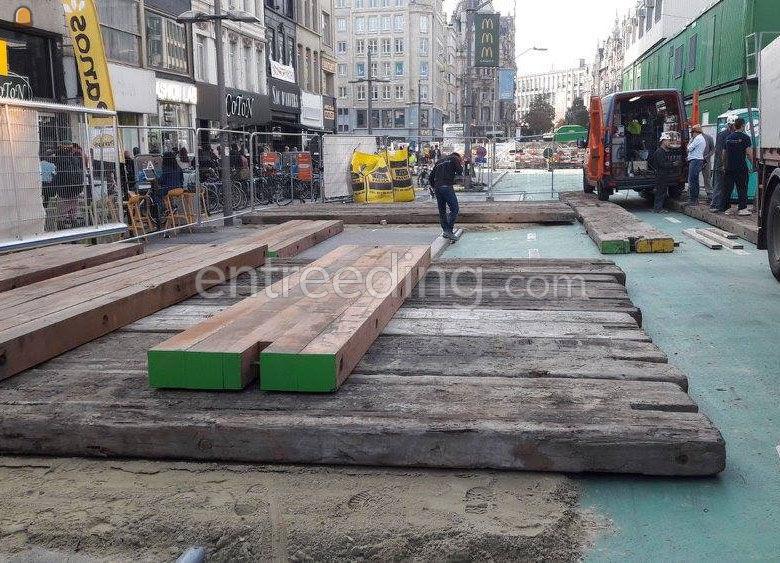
x: 721, y: 162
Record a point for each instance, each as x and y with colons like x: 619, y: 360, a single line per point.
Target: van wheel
x: 773, y: 232
x: 586, y: 187
x: 603, y: 192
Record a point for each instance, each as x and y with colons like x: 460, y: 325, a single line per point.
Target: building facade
x: 490, y: 116
x: 607, y: 69
x: 560, y: 88
x: 407, y: 42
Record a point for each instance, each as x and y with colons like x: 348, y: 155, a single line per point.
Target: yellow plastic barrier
x: 403, y: 191
x: 380, y: 185
x: 362, y: 165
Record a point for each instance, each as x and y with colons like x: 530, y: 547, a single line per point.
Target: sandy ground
x: 55, y: 509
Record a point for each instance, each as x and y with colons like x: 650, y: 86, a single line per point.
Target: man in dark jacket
x: 442, y: 180
x: 662, y: 165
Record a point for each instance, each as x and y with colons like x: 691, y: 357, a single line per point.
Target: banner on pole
x: 506, y: 84
x: 486, y: 40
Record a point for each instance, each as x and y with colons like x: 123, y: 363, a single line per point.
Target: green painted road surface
x: 716, y: 313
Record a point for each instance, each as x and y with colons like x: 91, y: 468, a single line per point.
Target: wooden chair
x: 136, y: 220
x: 189, y: 206
x: 175, y: 205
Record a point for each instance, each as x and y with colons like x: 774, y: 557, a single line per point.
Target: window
x: 385, y: 46
x: 692, y: 46
x: 360, y: 46
x: 248, y: 74
x: 399, y: 46
x: 400, y: 3
x: 679, y: 63
x: 342, y: 69
x: 423, y: 68
x: 399, y: 68
x: 399, y: 118
x: 373, y: 3
x: 424, y: 45
x: 373, y: 46
x: 341, y: 3
x: 399, y: 92
x: 658, y: 7
x: 342, y: 91
x: 423, y: 92
x: 373, y: 24
x: 315, y: 16
x: 386, y: 92
x: 374, y: 70
x: 649, y: 18
x: 341, y: 25
x: 386, y: 68
x: 120, y: 30
x: 358, y: 3
x: 235, y: 75
x: 424, y: 118
x: 166, y: 44
x: 374, y: 92
x: 387, y: 118
x: 341, y: 47
x: 360, y: 69
x: 360, y: 91
x: 423, y: 24
x: 360, y: 25
x: 385, y: 23
x: 398, y: 22
x: 361, y: 118
x: 375, y: 118
x: 201, y: 58
x: 327, y: 32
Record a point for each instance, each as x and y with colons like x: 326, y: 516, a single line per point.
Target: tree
x: 539, y: 119
x: 577, y: 114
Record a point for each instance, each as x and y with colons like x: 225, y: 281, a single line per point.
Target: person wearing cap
x: 736, y: 151
x: 662, y: 165
x: 717, y: 165
x: 696, y: 147
x: 442, y: 180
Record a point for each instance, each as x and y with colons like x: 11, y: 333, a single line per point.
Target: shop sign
x: 176, y: 92
x: 15, y: 87
x: 311, y: 110
x: 81, y: 19
x: 486, y: 40
x: 282, y: 72
x: 329, y: 66
x: 329, y: 113
x: 284, y: 97
x: 239, y: 105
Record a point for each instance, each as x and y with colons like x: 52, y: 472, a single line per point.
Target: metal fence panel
x: 59, y: 174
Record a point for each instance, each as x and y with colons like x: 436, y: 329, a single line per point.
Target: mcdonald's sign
x: 486, y: 38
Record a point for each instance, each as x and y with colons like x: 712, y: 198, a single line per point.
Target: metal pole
x: 370, y: 91
x: 227, y: 194
x: 117, y: 171
x: 467, y: 101
x: 419, y: 114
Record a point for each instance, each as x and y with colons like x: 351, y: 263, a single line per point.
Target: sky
x: 570, y: 29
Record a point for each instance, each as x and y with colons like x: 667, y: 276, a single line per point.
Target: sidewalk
x: 743, y: 227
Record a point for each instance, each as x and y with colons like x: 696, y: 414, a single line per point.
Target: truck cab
x: 624, y: 132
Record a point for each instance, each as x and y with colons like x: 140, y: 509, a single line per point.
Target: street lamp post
x: 193, y: 16
x: 370, y: 81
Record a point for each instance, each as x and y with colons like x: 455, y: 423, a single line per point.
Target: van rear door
x: 595, y: 155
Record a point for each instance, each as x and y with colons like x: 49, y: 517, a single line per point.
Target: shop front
x: 176, y: 107
x: 285, y: 106
x: 246, y: 111
x: 135, y: 99
x: 35, y: 68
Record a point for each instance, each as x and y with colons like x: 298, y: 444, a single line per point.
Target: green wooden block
x: 304, y: 373
x: 615, y: 247
x: 194, y: 370
x: 272, y: 254
x: 164, y: 368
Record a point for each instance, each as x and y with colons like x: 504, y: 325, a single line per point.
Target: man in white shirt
x: 696, y: 147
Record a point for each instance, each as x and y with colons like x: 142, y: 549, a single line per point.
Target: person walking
x: 717, y: 165
x: 706, y: 169
x: 736, y: 151
x: 442, y: 180
x: 696, y: 148
x: 662, y: 165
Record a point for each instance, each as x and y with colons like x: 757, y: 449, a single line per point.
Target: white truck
x: 768, y: 198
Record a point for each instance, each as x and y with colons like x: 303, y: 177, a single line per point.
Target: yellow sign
x: 81, y: 19
x: 3, y: 58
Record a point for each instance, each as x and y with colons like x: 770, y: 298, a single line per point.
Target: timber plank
x: 701, y: 239
x: 23, y: 268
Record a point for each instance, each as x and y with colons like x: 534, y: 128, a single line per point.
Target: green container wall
x: 720, y: 53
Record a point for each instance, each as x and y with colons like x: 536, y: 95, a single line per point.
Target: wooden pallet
x: 615, y: 230
x: 306, y: 336
x: 23, y: 268
x: 579, y: 399
x: 420, y: 212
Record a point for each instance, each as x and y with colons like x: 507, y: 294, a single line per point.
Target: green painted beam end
x: 178, y: 369
x: 303, y: 373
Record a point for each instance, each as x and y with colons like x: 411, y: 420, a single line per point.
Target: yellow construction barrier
x: 362, y: 165
x: 400, y: 175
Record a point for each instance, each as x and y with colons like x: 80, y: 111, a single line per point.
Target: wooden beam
x: 726, y: 242
x: 23, y: 268
x: 706, y: 241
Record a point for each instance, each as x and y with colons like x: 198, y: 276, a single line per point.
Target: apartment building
x: 559, y: 87
x: 408, y: 46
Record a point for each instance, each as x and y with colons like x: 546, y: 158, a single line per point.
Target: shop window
x: 166, y: 44
x: 360, y: 118
x: 120, y: 30
x: 387, y: 118
x: 375, y: 118
x: 399, y: 118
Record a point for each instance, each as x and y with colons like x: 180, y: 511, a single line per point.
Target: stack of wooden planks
x: 745, y: 227
x: 615, y: 230
x: 30, y: 266
x: 420, y: 212
x: 714, y: 238
x: 307, y: 331
x: 550, y: 389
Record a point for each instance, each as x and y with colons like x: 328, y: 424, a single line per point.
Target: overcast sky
x: 570, y: 29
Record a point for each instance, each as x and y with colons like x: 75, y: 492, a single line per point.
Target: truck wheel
x: 603, y: 191
x: 773, y: 232
x: 587, y: 188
